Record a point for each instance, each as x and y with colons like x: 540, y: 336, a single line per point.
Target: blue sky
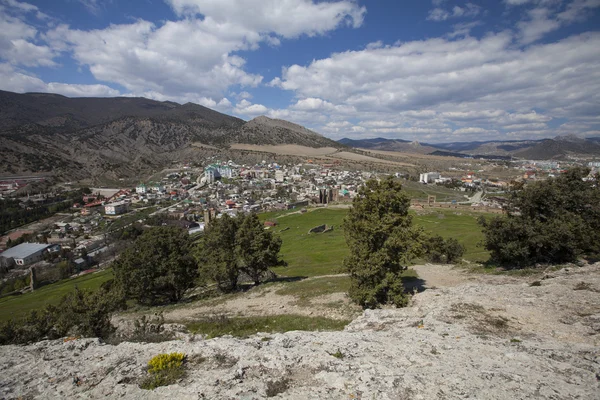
x: 433, y: 71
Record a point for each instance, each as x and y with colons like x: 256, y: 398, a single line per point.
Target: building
x: 117, y: 208
x: 140, y: 189
x: 279, y: 176
x: 429, y: 177
x: 25, y: 253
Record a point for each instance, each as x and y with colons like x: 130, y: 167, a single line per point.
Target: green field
x: 323, y: 253
x: 461, y: 225
x: 419, y: 191
x: 16, y: 306
x: 311, y: 254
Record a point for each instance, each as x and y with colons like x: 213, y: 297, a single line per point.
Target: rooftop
x: 24, y: 250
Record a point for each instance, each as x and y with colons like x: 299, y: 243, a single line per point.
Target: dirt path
x: 440, y: 276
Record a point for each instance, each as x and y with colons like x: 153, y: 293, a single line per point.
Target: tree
x: 382, y: 240
x: 257, y: 248
x: 216, y: 253
x: 551, y: 221
x: 439, y: 250
x: 158, y: 267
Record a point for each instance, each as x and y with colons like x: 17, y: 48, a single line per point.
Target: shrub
x: 80, y: 313
x: 164, y: 370
x: 553, y: 221
x: 439, y: 250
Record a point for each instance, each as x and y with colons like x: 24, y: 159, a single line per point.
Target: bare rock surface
x: 472, y: 340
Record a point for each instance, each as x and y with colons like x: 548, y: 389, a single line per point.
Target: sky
x: 432, y: 71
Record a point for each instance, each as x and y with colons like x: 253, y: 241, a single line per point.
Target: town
x: 84, y: 229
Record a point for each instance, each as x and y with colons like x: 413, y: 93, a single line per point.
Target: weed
x: 535, y: 283
x: 246, y: 326
x: 514, y: 340
x: 265, y: 339
x: 224, y: 360
x: 337, y: 354
x: 583, y: 286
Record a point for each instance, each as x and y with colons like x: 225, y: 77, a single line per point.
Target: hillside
x: 267, y: 131
x: 399, y: 145
x: 75, y: 138
x: 455, y: 341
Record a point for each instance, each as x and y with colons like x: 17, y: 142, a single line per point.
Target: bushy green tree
x: 158, y: 267
x: 257, y: 249
x: 552, y: 221
x: 382, y: 240
x: 216, y: 253
x: 232, y: 246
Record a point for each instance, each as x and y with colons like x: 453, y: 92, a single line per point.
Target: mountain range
x: 124, y: 136
x: 130, y: 137
x: 559, y: 148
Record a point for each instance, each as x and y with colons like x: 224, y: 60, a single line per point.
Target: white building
x: 429, y: 177
x: 279, y: 176
x: 25, y: 253
x: 141, y: 188
x: 116, y: 208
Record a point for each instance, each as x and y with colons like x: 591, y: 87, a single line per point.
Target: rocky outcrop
x: 476, y: 340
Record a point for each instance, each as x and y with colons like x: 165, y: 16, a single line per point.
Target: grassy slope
x: 15, y: 306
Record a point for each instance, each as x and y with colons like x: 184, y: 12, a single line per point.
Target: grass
x: 246, y: 326
x: 315, y: 287
x: 323, y: 254
x: 18, y: 306
x: 460, y: 225
x: 311, y: 254
x: 416, y: 190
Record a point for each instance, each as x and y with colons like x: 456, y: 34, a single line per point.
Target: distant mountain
x: 388, y: 145
x: 82, y: 137
x: 267, y: 131
x: 557, y: 148
x: 560, y: 147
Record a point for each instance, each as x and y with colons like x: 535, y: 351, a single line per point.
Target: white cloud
x: 289, y: 18
x: 245, y: 107
x: 548, y: 16
x: 17, y: 41
x: 197, y: 54
x: 440, y: 14
x: 15, y: 80
x: 435, y: 86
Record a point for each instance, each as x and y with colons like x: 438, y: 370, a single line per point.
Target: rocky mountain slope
x: 500, y: 340
x: 120, y: 137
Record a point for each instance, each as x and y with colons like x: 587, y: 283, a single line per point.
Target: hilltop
x: 455, y: 341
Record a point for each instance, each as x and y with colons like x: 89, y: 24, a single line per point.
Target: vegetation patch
x: 311, y: 288
x: 482, y: 322
x: 246, y: 326
x: 19, y: 306
x: 164, y: 370
x: 277, y: 386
